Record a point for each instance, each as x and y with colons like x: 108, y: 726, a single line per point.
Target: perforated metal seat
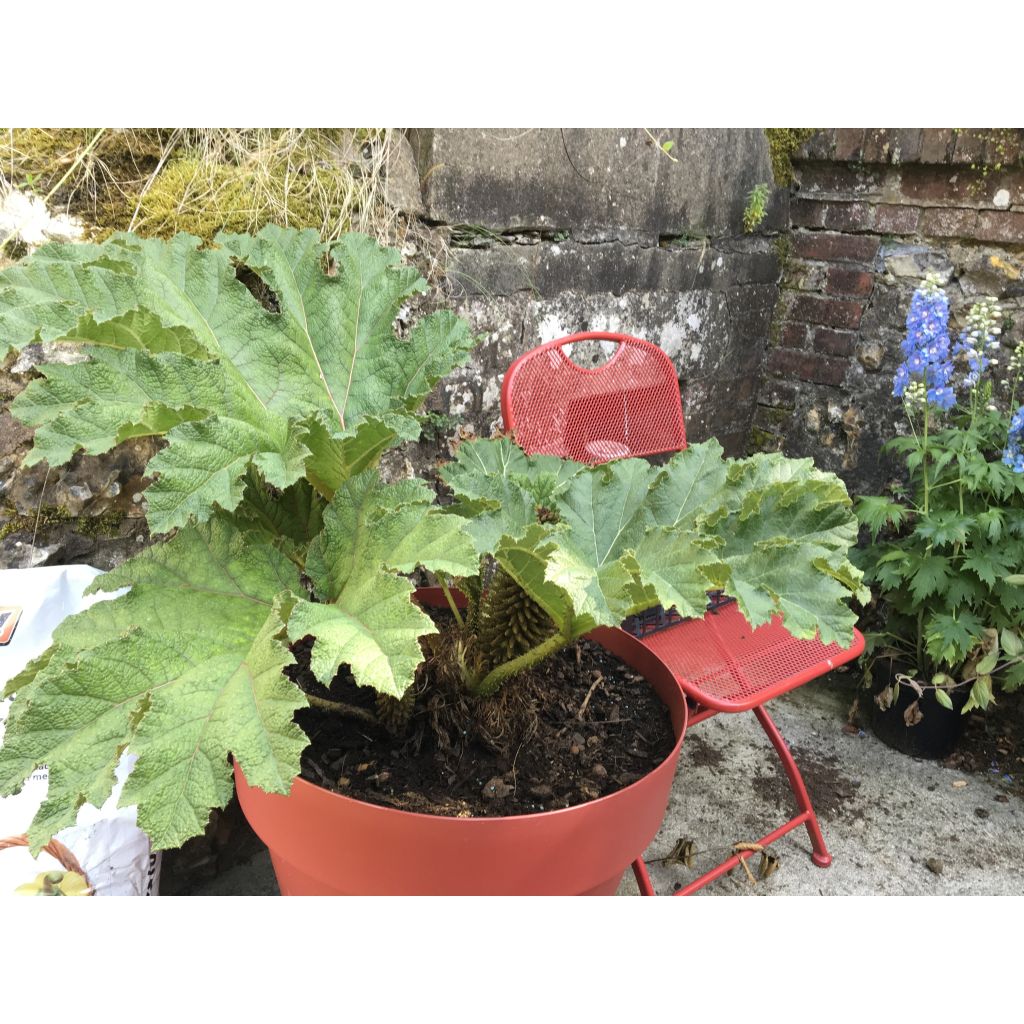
x: 631, y: 405
x: 735, y: 668
x: 594, y: 414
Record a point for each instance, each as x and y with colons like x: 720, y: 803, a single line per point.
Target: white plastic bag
x: 104, y: 853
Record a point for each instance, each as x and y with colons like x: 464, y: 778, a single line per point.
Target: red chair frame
x: 720, y: 662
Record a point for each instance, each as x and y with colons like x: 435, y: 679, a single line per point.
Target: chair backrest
x: 629, y: 405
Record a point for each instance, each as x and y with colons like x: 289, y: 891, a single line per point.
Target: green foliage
x: 318, y: 386
x: 772, y: 532
x: 946, y: 551
x: 285, y: 532
x: 756, y: 208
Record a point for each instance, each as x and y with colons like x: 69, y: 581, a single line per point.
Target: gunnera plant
x: 279, y: 531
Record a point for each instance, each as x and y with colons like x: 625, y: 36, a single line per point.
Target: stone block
x: 849, y: 143
x: 595, y: 183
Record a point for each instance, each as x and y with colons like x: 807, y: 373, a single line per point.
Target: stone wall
x: 557, y: 231
x: 873, y: 210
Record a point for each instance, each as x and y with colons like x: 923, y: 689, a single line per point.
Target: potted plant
x: 279, y: 605
x: 948, y: 550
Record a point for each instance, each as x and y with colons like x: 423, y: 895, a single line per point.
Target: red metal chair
x: 631, y: 406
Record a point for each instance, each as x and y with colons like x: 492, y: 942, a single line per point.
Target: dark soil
x: 992, y: 743
x: 833, y: 793
x: 580, y: 726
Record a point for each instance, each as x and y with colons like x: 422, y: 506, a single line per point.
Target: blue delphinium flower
x: 1013, y: 455
x: 928, y: 367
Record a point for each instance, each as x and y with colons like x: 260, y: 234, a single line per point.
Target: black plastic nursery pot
x: 938, y: 732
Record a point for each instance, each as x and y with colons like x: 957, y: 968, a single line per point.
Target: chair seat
x: 725, y: 665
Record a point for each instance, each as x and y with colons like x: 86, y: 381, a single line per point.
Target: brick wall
x: 872, y: 210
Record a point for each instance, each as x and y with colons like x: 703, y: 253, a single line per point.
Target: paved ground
x: 884, y: 815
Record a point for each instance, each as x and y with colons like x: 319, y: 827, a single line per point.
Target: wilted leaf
x: 913, y: 714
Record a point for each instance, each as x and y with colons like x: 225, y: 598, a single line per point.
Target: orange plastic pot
x: 325, y: 844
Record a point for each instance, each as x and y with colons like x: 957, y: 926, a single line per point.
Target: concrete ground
x: 885, y: 816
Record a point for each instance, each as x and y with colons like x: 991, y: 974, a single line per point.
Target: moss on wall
x: 782, y: 144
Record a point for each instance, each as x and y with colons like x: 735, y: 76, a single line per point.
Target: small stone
x: 1001, y: 200
x: 870, y: 355
x: 1001, y: 798
x: 113, y: 489
x: 542, y: 792
x: 578, y: 739
x: 599, y: 771
x: 343, y: 781
x: 496, y: 789
x: 960, y: 783
x: 934, y: 865
x: 813, y: 420
x: 80, y: 492
x: 574, y: 749
x: 589, y: 790
x: 593, y: 741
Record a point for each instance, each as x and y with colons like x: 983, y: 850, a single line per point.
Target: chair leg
x: 820, y: 854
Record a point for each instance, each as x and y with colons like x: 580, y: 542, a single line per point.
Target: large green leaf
x: 183, y: 669
x: 179, y: 347
x: 773, y: 533
x: 785, y: 547
x: 364, y: 616
x: 500, y: 489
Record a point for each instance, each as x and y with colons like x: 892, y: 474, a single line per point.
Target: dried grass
x: 158, y: 181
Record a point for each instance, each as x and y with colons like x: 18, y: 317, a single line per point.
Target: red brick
x: 949, y: 223
x: 794, y: 336
x: 928, y: 184
x: 846, y: 281
x: 1001, y: 226
x: 848, y: 143
x: 892, y: 219
x: 820, y: 245
x: 804, y: 213
x: 807, y: 366
x: 816, y: 309
x: 848, y: 217
x: 936, y: 144
x: 834, y: 343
